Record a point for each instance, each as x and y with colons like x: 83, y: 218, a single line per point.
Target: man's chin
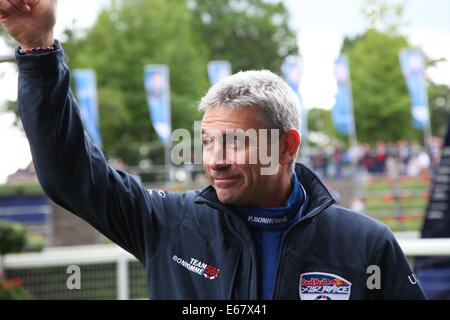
x: 227, y: 196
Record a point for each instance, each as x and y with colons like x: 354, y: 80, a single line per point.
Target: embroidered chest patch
x: 323, y: 286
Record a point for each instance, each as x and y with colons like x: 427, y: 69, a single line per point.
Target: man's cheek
x: 205, y: 159
x: 252, y: 155
x: 208, y: 160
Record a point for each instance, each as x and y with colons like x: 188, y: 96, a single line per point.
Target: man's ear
x: 289, y: 145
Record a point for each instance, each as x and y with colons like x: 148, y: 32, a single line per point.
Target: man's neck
x: 281, y: 189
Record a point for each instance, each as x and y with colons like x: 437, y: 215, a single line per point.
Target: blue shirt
x: 268, y: 227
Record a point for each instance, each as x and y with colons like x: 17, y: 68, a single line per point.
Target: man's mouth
x: 225, y: 181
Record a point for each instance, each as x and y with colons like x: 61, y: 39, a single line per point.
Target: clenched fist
x: 30, y: 22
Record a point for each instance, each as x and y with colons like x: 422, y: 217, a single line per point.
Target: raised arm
x: 30, y: 22
x: 71, y: 170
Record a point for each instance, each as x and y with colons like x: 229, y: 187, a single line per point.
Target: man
x: 262, y: 230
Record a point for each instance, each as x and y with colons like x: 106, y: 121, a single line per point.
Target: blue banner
x: 25, y: 209
x: 292, y: 74
x: 86, y: 92
x: 157, y: 87
x: 342, y: 112
x: 412, y: 64
x: 217, y: 70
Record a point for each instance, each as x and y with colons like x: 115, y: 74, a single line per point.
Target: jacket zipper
x: 283, y: 241
x: 247, y: 235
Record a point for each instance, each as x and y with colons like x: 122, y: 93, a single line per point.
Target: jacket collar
x: 319, y: 196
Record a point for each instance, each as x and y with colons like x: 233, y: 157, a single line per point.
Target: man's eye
x: 206, y: 141
x: 237, y: 142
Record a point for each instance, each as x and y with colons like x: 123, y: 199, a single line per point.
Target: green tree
x: 320, y: 121
x: 127, y: 36
x: 378, y: 85
x: 251, y: 34
x: 13, y: 238
x: 380, y: 98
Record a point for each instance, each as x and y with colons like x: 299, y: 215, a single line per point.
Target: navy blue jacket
x: 192, y: 245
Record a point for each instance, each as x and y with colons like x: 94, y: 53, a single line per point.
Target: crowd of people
x: 384, y: 158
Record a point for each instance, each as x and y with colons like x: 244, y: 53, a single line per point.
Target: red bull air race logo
x: 323, y: 286
x: 196, y: 266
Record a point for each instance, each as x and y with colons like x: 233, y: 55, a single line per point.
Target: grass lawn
x: 381, y: 204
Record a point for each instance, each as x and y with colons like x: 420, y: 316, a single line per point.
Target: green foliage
x: 320, y: 121
x: 252, y: 34
x: 402, y: 213
x: 21, y: 189
x: 407, y: 184
x: 380, y: 96
x: 185, y: 35
x: 127, y: 36
x: 13, y: 237
x: 35, y: 243
x: 381, y: 204
x: 13, y: 290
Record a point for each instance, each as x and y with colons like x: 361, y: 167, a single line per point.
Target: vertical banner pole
x: 122, y: 271
x: 413, y: 68
x: 343, y: 114
x: 157, y: 87
x: 86, y: 92
x: 292, y: 74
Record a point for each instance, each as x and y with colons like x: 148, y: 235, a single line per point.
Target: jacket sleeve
x: 74, y: 173
x: 398, y: 281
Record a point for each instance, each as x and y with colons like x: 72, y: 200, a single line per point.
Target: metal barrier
x: 425, y: 247
x: 109, y: 272
x: 106, y: 272
x: 8, y: 58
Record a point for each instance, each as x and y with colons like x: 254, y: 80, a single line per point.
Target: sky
x: 321, y: 25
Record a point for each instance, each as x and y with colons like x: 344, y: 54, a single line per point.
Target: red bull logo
x: 323, y: 282
x: 325, y: 286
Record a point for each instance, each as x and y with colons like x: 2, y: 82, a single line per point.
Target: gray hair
x: 263, y: 90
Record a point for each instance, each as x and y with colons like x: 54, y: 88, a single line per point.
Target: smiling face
x: 228, y: 164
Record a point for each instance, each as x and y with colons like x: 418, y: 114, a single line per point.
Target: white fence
x: 425, y: 247
x: 111, y: 264
x: 108, y: 263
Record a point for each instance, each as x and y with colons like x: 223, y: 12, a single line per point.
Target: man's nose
x: 218, y: 158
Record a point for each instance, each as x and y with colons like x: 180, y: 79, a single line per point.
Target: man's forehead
x: 223, y: 118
